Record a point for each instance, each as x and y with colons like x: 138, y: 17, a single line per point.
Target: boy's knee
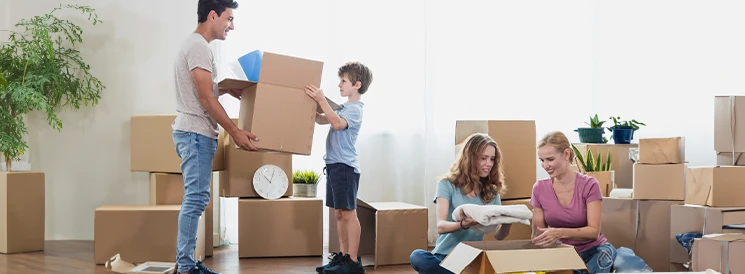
x: 345, y: 214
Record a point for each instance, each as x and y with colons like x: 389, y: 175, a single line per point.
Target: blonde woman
x: 476, y: 177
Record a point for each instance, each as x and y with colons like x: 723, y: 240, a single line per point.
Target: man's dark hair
x: 356, y: 71
x: 205, y: 6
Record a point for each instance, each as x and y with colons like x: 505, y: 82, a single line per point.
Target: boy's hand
x: 315, y: 93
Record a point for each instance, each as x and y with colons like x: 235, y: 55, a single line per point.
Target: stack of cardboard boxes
x: 517, y: 141
x: 713, y: 202
x: 642, y: 222
x: 147, y: 232
x: 275, y: 108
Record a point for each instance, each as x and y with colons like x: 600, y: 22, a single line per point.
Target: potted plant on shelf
x: 623, y: 131
x: 594, y: 166
x: 594, y: 133
x: 304, y: 183
x: 40, y: 70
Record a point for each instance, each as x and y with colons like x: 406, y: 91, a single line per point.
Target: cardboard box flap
x: 465, y: 255
x: 725, y: 237
x: 235, y: 83
x: 116, y: 264
x: 333, y: 105
x: 273, y: 68
x: 381, y: 206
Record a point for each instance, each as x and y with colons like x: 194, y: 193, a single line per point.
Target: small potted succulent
x: 623, y: 131
x: 594, y: 133
x: 596, y: 166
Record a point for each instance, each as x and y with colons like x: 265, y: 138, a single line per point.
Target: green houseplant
x: 594, y: 166
x: 593, y: 133
x: 40, y: 70
x: 304, y: 183
x: 623, y: 131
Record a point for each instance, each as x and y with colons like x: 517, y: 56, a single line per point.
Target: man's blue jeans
x: 196, y: 152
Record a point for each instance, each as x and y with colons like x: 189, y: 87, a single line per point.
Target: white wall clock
x: 270, y: 182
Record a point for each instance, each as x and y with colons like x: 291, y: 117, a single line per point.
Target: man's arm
x: 203, y: 81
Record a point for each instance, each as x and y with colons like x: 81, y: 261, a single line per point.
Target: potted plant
x: 594, y: 166
x: 40, y: 70
x: 304, y: 183
x: 594, y: 133
x: 623, y: 131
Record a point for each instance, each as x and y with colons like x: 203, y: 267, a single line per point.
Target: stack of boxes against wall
x: 713, y: 198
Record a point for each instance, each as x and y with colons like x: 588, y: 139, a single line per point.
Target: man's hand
x: 232, y: 91
x: 315, y: 93
x: 243, y: 139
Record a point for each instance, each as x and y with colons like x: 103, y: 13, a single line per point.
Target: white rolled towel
x: 489, y: 216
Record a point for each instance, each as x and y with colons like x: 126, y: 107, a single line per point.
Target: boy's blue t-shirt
x: 340, y: 144
x: 446, y: 242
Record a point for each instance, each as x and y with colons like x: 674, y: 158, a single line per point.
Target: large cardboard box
x: 719, y: 252
x: 140, y: 233
x: 641, y: 225
x: 22, y: 208
x: 168, y: 189
x: 519, y: 256
x: 390, y: 231
x: 621, y: 165
x: 274, y: 106
x: 729, y: 123
x: 699, y: 219
x: 285, y: 227
x: 662, y: 150
x: 659, y: 181
x: 517, y: 231
x: 718, y: 186
x: 152, y: 148
x: 517, y: 141
x: 241, y: 165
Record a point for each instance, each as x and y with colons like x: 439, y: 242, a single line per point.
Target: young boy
x: 342, y: 167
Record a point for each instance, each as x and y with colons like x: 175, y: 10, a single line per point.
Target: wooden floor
x: 77, y: 257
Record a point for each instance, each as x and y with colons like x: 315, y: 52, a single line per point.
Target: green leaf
x: 608, y: 162
x: 598, y: 167
x: 3, y: 83
x: 579, y: 157
x: 590, y: 161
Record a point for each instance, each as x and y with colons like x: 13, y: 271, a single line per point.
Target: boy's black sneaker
x: 334, y: 259
x: 346, y: 266
x: 204, y: 269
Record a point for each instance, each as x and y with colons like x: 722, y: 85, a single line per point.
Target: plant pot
x: 304, y: 190
x: 22, y: 203
x: 591, y: 135
x: 622, y: 134
x: 606, y: 179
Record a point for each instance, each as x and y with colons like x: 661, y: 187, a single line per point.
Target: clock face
x: 270, y: 182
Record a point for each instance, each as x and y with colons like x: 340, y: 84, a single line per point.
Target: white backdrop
x: 434, y: 62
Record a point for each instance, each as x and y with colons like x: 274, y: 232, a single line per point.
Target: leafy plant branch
x: 41, y: 70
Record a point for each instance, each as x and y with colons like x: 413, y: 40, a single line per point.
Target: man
x: 195, y: 129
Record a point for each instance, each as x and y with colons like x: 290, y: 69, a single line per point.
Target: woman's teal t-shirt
x: 446, y: 242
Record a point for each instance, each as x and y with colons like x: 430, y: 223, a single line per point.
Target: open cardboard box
x: 511, y: 256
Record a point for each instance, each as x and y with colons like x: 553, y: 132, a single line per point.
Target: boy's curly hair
x: 356, y: 71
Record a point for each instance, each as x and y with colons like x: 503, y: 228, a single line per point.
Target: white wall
x: 434, y: 62
x: 652, y: 53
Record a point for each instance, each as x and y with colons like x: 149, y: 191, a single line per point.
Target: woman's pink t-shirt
x: 586, y: 190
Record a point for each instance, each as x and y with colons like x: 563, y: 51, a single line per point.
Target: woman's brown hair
x: 464, y: 173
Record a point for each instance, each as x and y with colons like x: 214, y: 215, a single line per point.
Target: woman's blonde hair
x: 558, y: 140
x: 464, y: 173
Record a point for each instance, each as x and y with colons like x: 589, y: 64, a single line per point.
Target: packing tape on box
x: 621, y: 193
